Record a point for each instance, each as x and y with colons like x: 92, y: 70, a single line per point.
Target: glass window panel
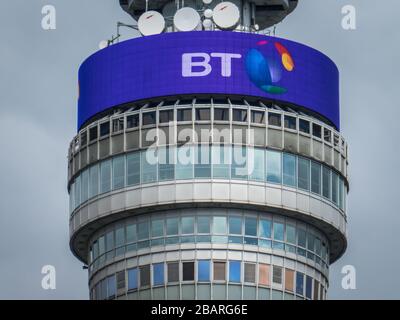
x: 221, y: 161
x: 143, y: 230
x: 316, y: 130
x: 326, y: 182
x: 203, y: 270
x: 310, y: 241
x: 157, y: 228
x: 111, y: 287
x: 131, y: 233
x: 289, y: 170
x: 221, y: 114
x: 133, y: 168
x: 109, y: 241
x: 249, y: 272
x: 257, y: 117
x: 184, y: 165
x: 203, y: 114
x: 219, y: 225
x: 105, y: 176
x: 289, y: 280
x: 335, y: 181
x: 118, y: 172
x: 278, y: 231
x: 235, y: 225
x: 187, y: 225
x: 94, y: 181
x: 277, y: 275
x: 203, y: 224
x: 274, y: 171
x: 202, y: 168
x: 239, y: 163
x: 290, y: 122
x: 304, y: 126
x: 188, y: 271
x: 77, y: 191
x: 341, y: 193
x: 290, y: 234
x: 172, y: 226
x: 239, y: 115
x: 304, y: 174
x: 250, y: 226
x: 132, y: 121
x: 184, y: 114
x: 234, y: 271
x: 219, y: 271
x: 263, y: 274
x: 149, y: 166
x: 166, y: 116
x: 149, y: 118
x: 256, y: 164
x: 85, y: 186
x: 120, y: 237
x: 144, y: 275
x: 173, y: 272
x: 308, y: 287
x: 158, y: 274
x: 265, y: 228
x: 132, y: 279
x: 274, y: 119
x: 102, y: 246
x: 315, y: 177
x: 301, y: 237
x: 166, y: 163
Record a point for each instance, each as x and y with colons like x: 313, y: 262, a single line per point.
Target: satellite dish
x: 103, y: 44
x: 207, y: 1
x: 226, y: 15
x: 187, y: 19
x: 151, y: 22
x: 208, y: 13
x: 207, y: 24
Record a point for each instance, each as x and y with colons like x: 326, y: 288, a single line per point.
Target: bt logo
x: 197, y: 64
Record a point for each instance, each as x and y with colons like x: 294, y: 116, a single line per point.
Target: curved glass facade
x: 208, y: 162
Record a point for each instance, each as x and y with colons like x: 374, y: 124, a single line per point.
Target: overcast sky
x: 38, y: 92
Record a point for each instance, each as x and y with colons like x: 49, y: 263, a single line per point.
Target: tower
x: 208, y: 162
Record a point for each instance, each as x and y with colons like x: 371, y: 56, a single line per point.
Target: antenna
x: 187, y: 19
x: 151, y: 22
x: 226, y: 15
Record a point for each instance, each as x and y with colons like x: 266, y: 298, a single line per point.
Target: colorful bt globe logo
x: 266, y: 64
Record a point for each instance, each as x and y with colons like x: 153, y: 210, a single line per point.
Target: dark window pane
x: 187, y: 225
x: 290, y: 122
x: 234, y: 271
x: 158, y: 274
x: 166, y: 116
x: 239, y: 115
x: 219, y: 271
x: 278, y: 231
x: 265, y: 228
x: 143, y: 230
x: 149, y: 118
x: 184, y: 114
x: 132, y: 279
x: 315, y: 177
x: 132, y: 121
x: 172, y: 226
x: 188, y: 271
x: 104, y: 129
x: 304, y: 126
x: 249, y: 272
x: 304, y: 174
x: 327, y: 135
x: 118, y: 124
x: 257, y: 116
x: 221, y: 114
x: 274, y: 119
x: 289, y: 170
x: 144, y: 275
x: 235, y: 225
x: 173, y: 272
x: 83, y: 138
x: 203, y: 114
x: 301, y: 238
x: 299, y: 283
x: 277, y: 275
x: 326, y: 182
x: 203, y: 224
x: 316, y: 130
x: 203, y: 270
x: 93, y: 133
x: 250, y: 227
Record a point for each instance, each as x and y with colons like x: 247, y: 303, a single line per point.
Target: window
x: 290, y: 234
x: 121, y: 280
x: 118, y: 172
x: 166, y: 116
x: 219, y: 225
x: 274, y: 167
x: 256, y: 166
x: 203, y: 224
x: 308, y: 287
x: 132, y: 121
x: 158, y: 274
x: 166, y: 163
x: 249, y: 272
x: 85, y: 185
x: 234, y: 271
x: 94, y: 181
x: 184, y: 114
x: 290, y: 122
x: 131, y: 233
x: 289, y: 170
x: 203, y: 114
x: 327, y: 135
x: 149, y: 166
x: 316, y: 130
x: 93, y: 133
x: 202, y: 168
x: 250, y: 227
x: 304, y: 174
x: 274, y: 119
x: 111, y: 287
x: 278, y: 231
x: 257, y: 117
x: 326, y: 182
x: 221, y: 160
x: 299, y: 283
x: 235, y: 225
x: 263, y: 274
x: 104, y: 129
x: 304, y: 126
x: 118, y: 124
x: 172, y: 226
x: 203, y: 267
x: 184, y: 165
x: 173, y: 272
x: 77, y: 191
x: 341, y: 193
x: 277, y: 275
x: 239, y: 115
x: 157, y: 228
x: 149, y: 118
x: 239, y: 168
x: 132, y: 279
x: 187, y: 225
x: 133, y: 168
x: 335, y: 185
x: 143, y: 230
x: 219, y: 271
x: 310, y: 241
x: 265, y: 228
x: 221, y: 114
x: 289, y: 280
x: 83, y: 138
x: 105, y: 178
x: 188, y: 271
x: 315, y: 177
x: 144, y: 275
